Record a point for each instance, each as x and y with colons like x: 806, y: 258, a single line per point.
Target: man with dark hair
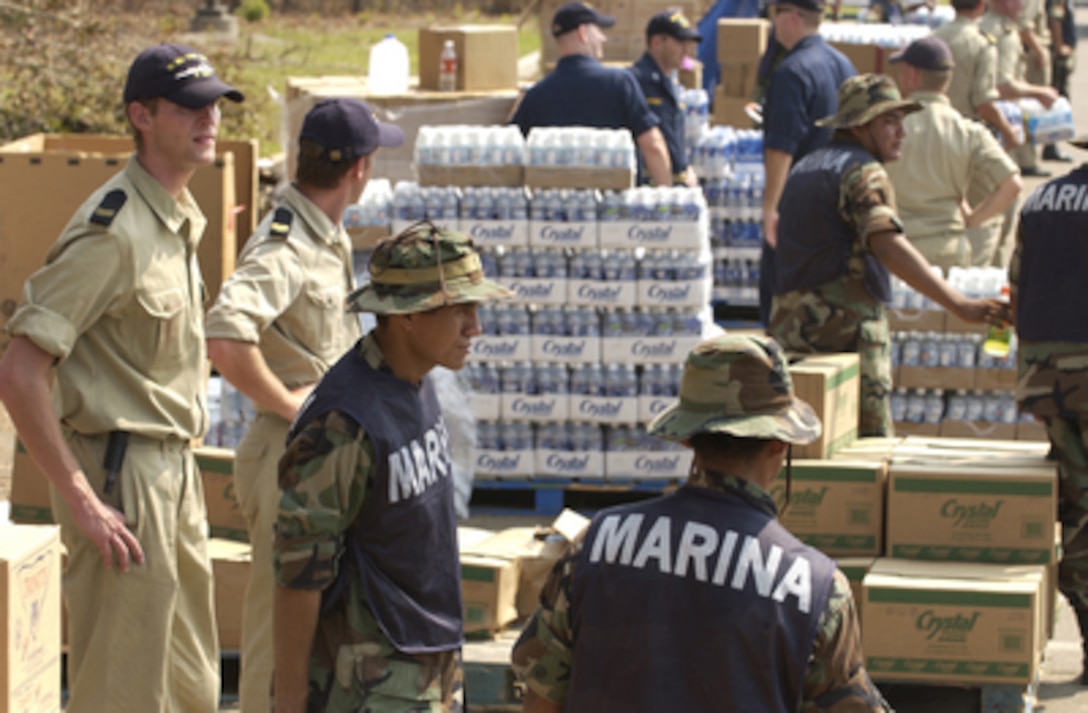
x: 116, y: 317
x: 933, y: 202
x: 1046, y: 283
x: 367, y: 607
x: 278, y: 324
x: 840, y: 240
x: 670, y: 38
x: 790, y: 644
x: 802, y: 89
x: 583, y: 92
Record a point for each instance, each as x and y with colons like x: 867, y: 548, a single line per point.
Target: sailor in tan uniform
x: 117, y: 309
x: 943, y: 154
x: 277, y: 326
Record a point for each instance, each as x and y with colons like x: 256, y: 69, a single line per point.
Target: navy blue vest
x: 404, y: 540
x: 694, y: 601
x: 815, y: 245
x: 1052, y: 301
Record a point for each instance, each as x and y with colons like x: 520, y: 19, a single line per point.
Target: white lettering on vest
x: 619, y: 537
x: 418, y: 465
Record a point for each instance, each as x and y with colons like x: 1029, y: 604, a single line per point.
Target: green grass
x: 270, y: 51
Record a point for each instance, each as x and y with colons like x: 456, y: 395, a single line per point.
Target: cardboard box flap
x: 894, y: 566
x: 468, y: 537
x: 957, y: 591
x: 570, y: 524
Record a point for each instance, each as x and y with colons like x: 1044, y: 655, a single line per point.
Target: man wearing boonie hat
x: 117, y: 309
x: 657, y: 609
x: 581, y: 91
x: 935, y: 197
x: 670, y: 40
x: 278, y: 324
x: 801, y: 89
x: 368, y: 598
x: 840, y: 239
x: 1046, y: 280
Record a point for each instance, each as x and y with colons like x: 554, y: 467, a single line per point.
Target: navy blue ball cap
x: 930, y: 53
x: 674, y: 24
x: 348, y: 129
x: 178, y: 74
x: 575, y: 14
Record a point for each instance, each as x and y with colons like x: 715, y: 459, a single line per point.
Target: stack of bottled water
x: 230, y: 413
x: 375, y: 206
x: 580, y: 147
x: 498, y: 203
x: 469, y: 146
x: 563, y: 205
x: 879, y: 34
x: 932, y: 406
x: 933, y: 349
x: 724, y: 150
x: 1015, y: 117
x: 1045, y: 126
x: 696, y: 106
x: 503, y: 319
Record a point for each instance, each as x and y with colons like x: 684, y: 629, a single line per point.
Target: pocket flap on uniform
x: 873, y: 331
x: 162, y: 304
x: 326, y: 297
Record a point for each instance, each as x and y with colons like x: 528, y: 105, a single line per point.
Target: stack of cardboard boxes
x: 741, y: 44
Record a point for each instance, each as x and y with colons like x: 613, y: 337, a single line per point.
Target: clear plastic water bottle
x: 447, y: 68
x: 934, y: 406
x: 899, y: 405
x: 957, y: 406
x: 916, y: 407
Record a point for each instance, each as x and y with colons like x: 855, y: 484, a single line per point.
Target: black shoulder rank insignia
x: 281, y: 223
x: 107, y: 210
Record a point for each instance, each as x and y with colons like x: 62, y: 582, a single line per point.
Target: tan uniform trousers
x: 256, y: 486
x: 146, y: 640
x: 992, y: 242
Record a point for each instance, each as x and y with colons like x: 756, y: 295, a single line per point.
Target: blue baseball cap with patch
x: 348, y: 129
x: 575, y: 14
x: 178, y: 74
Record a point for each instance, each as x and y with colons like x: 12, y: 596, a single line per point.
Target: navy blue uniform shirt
x: 663, y: 97
x: 804, y: 88
x: 583, y: 92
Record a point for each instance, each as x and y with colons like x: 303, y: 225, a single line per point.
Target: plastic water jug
x: 388, y: 71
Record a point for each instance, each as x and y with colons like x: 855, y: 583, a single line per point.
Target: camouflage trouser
x: 1070, y: 439
x: 840, y: 316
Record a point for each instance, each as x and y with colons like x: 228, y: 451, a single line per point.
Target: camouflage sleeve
x: 836, y: 680
x: 542, y: 654
x: 323, y: 476
x: 867, y: 201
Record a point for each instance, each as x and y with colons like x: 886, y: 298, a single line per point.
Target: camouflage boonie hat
x: 423, y: 268
x: 863, y: 98
x: 738, y: 385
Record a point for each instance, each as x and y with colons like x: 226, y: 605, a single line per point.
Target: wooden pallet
x: 549, y: 496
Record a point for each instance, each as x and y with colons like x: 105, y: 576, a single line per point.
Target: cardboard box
x: 217, y: 472
x: 935, y: 377
x: 433, y: 175
x: 739, y: 80
x: 1031, y: 431
x: 870, y: 448
x: 30, y: 503
x: 971, y: 509
x: 603, y: 179
x: 967, y: 625
x: 906, y: 428
x: 955, y: 325
x: 837, y: 507
x: 230, y: 570
x: 742, y: 39
x: 916, y: 320
x: 409, y: 111
x: 487, y: 56
x: 49, y: 176
x: 489, y: 589
x: 855, y: 569
x: 30, y: 603
x: 729, y: 111
x: 978, y: 429
x: 830, y: 383
x: 690, y: 75
x: 365, y: 237
x: 995, y: 379
x: 867, y: 59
